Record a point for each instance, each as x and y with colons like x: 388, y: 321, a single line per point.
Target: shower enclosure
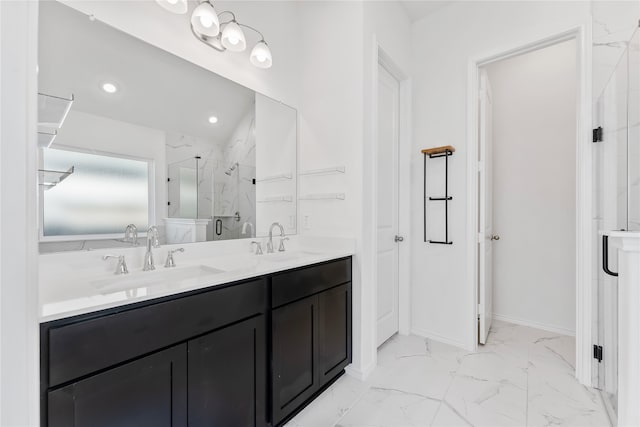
x: 225, y: 196
x: 617, y: 202
x: 235, y: 196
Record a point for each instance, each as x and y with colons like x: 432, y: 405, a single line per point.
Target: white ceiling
x: 418, y: 9
x: 156, y: 89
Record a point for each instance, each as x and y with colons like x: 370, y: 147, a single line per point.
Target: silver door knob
x: 495, y: 237
x: 399, y: 239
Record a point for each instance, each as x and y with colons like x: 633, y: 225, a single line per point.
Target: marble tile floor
x: 521, y: 377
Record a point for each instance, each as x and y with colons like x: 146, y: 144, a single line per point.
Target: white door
x: 485, y: 234
x: 387, y: 206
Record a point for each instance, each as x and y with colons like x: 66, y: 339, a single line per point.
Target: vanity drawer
x: 79, y: 349
x: 296, y: 284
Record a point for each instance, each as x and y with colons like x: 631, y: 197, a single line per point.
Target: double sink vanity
x: 219, y: 333
x: 231, y: 340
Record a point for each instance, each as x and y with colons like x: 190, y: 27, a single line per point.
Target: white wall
x: 443, y: 44
x: 534, y: 187
x: 19, y: 344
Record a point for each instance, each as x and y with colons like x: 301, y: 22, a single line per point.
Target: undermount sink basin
x: 160, y: 276
x: 285, y: 256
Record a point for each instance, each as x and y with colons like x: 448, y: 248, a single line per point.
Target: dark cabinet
x: 334, y: 332
x: 148, y: 392
x: 295, y: 355
x: 227, y: 376
x: 310, y: 336
x: 245, y: 354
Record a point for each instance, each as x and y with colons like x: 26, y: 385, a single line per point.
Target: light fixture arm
x: 251, y: 28
x: 213, y: 42
x: 233, y: 19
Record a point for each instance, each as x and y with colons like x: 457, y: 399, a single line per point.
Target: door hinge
x: 597, y: 352
x: 597, y: 134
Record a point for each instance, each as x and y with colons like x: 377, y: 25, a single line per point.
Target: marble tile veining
x: 521, y: 377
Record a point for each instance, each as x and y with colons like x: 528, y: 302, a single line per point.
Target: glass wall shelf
x: 50, y: 178
x: 53, y: 110
x: 325, y: 171
x: 45, y: 139
x: 324, y: 196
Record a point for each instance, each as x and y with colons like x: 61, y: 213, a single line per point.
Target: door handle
x: 399, y: 239
x: 495, y: 237
x: 605, y: 257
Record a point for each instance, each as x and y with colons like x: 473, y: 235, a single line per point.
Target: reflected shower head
x: 231, y: 169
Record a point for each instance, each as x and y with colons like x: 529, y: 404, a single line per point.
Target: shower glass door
x: 633, y: 221
x: 617, y: 202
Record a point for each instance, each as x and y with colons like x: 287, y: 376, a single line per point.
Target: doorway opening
x: 527, y: 190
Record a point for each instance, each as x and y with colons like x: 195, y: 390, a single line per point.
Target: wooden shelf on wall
x: 439, y: 150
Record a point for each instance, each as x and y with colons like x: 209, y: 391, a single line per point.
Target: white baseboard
x: 360, y: 374
x: 536, y: 325
x: 436, y: 337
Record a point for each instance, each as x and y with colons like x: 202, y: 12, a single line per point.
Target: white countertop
x: 71, y: 288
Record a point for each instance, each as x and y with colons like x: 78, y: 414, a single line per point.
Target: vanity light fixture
x: 208, y: 26
x: 213, y: 120
x: 109, y: 87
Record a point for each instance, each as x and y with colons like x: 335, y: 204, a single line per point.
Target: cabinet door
x: 147, y: 392
x: 227, y: 376
x: 334, y: 331
x: 295, y: 355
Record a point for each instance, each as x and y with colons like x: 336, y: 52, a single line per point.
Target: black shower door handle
x: 605, y: 257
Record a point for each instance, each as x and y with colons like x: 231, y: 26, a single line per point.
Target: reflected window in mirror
x: 102, y: 195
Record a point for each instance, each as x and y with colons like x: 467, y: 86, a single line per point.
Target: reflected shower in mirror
x: 187, y: 150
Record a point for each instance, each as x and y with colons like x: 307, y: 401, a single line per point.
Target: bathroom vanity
x: 204, y: 166
x: 251, y: 352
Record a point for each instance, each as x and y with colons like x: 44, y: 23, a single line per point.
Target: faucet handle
x: 281, y: 248
x: 121, y: 268
x: 258, y: 247
x: 131, y: 234
x: 170, y: 262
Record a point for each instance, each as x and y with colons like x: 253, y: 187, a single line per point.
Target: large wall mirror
x: 131, y: 134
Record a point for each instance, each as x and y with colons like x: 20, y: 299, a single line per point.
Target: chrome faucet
x: 131, y: 234
x: 152, y: 242
x: 121, y: 268
x: 249, y: 225
x: 270, y: 242
x: 170, y: 261
x: 258, y: 247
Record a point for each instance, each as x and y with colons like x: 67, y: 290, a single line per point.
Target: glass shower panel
x: 616, y: 173
x: 183, y: 189
x: 633, y: 222
x: 188, y: 192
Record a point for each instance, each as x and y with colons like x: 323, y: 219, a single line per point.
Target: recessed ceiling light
x: 109, y: 88
x: 213, y: 120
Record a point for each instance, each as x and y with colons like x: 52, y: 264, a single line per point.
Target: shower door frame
x: 584, y: 186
